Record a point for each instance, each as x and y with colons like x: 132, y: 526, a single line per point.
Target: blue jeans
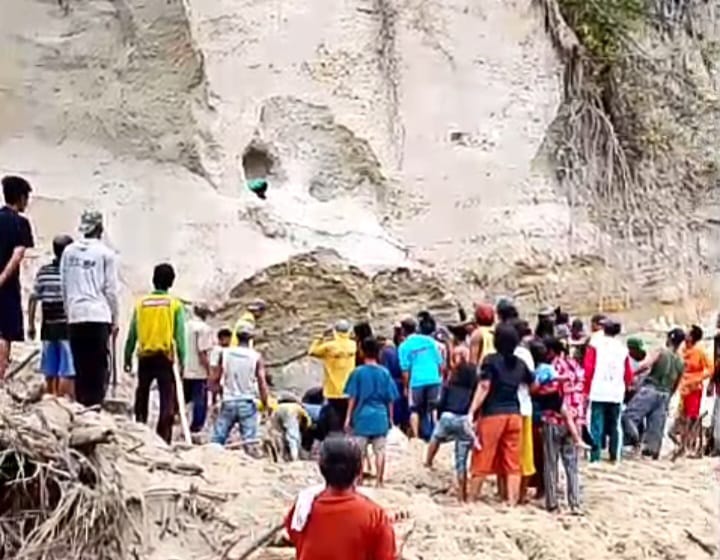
x: 453, y: 427
x: 195, y: 391
x: 242, y: 412
x: 649, y: 404
x: 605, y: 424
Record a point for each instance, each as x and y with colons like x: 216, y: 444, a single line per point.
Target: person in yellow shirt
x: 252, y: 314
x: 157, y: 330
x: 338, y: 357
x: 290, y: 418
x: 481, y: 340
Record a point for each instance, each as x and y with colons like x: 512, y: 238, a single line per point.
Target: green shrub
x: 603, y: 26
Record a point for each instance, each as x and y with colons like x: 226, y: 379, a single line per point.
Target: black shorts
x: 424, y: 399
x: 11, y: 317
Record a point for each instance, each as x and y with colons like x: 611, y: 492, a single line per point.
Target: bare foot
x: 582, y: 445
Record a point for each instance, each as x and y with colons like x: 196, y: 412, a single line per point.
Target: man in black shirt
x: 15, y: 238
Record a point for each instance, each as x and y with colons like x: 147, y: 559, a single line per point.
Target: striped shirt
x: 48, y: 291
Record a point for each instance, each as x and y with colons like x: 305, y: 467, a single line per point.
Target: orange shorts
x: 500, y: 437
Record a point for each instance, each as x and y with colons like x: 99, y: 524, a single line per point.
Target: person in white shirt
x: 88, y: 273
x: 608, y: 375
x: 197, y: 370
x: 241, y: 372
x: 527, y: 443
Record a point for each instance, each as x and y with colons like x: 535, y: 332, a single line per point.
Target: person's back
x: 506, y: 374
x: 338, y: 357
x: 48, y: 292
x: 156, y: 315
x: 89, y: 289
x: 56, y: 358
x: 240, y: 379
x: 609, y: 377
x: 457, y: 394
x: 488, y: 336
x: 665, y: 371
x: 347, y: 527
x: 390, y: 360
x: 373, y: 389
x: 337, y: 522
x: 420, y: 356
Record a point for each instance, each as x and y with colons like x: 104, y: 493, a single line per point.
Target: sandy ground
x: 636, y: 510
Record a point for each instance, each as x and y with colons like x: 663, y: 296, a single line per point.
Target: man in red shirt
x: 337, y: 522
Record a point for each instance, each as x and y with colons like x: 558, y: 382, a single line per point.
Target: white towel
x: 303, y: 506
x: 304, y: 503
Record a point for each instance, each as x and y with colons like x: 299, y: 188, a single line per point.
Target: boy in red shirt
x: 336, y: 521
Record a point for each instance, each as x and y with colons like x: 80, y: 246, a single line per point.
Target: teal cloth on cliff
x: 257, y: 184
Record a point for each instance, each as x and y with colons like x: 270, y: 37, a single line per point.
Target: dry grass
x: 61, y: 495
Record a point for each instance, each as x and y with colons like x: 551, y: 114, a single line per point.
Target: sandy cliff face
x: 396, y: 132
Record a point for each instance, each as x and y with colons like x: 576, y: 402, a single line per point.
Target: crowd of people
x: 514, y: 399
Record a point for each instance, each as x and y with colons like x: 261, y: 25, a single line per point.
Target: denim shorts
x: 424, y: 399
x: 454, y: 427
x: 56, y: 359
x: 241, y: 412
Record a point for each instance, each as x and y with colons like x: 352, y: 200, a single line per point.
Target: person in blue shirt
x: 390, y: 360
x: 372, y: 392
x: 421, y: 362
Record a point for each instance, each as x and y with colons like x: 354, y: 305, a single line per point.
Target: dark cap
x: 676, y: 336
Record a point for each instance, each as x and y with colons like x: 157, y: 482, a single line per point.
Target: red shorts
x: 691, y: 404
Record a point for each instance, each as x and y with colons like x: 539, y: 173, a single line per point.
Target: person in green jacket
x: 157, y: 331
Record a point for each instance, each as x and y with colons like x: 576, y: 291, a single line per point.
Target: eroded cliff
x: 447, y: 137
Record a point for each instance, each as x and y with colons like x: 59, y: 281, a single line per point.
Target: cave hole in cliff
x: 258, y: 161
